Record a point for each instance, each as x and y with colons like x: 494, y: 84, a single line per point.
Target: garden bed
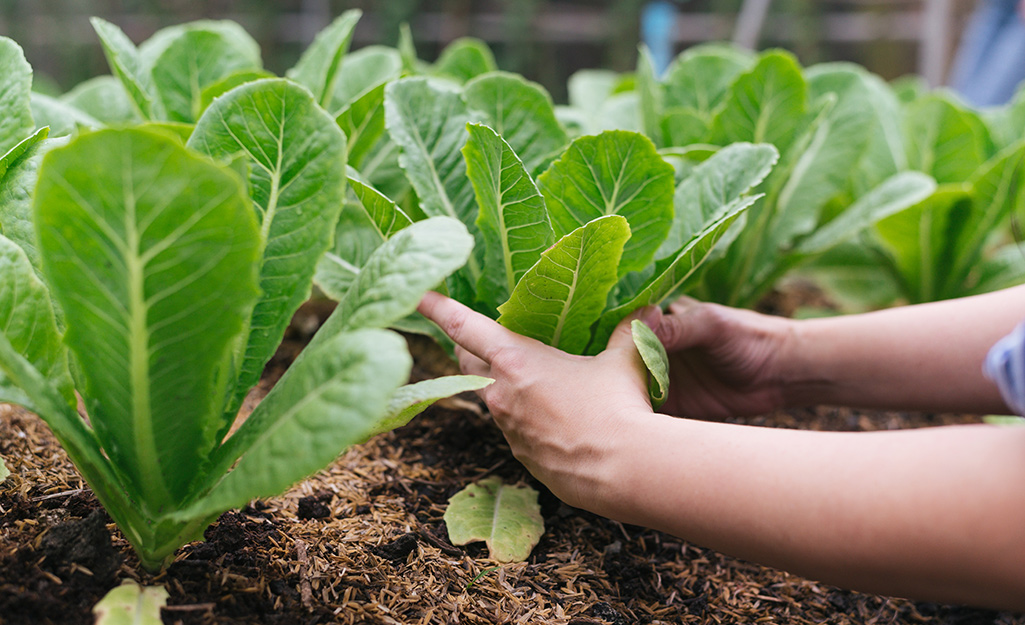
x: 363, y: 542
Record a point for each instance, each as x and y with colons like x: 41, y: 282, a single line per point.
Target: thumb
x: 622, y: 336
x: 690, y: 324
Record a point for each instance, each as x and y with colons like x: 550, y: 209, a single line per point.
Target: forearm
x: 924, y: 357
x: 932, y: 514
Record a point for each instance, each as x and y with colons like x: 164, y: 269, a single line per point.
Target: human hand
x: 722, y: 361
x: 565, y: 417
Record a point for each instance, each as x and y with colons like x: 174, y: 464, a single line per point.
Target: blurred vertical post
x: 749, y: 23
x: 658, y: 21
x: 314, y: 16
x: 934, y: 48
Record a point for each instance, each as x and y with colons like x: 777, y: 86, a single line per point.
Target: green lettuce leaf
x: 199, y: 56
x: 672, y: 274
x: 563, y: 294
x: 143, y: 264
x: 127, y: 65
x: 464, y: 59
x: 513, y: 218
x: 765, y: 104
x: 296, y: 156
x: 28, y: 321
x: 699, y: 78
x: 653, y: 353
x: 16, y: 121
x: 319, y: 67
x: 521, y: 112
x: 411, y: 399
x: 332, y: 398
x: 102, y: 98
x: 944, y: 139
x: 614, y: 173
x: 367, y: 220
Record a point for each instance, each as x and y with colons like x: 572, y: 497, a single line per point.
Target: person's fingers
x: 692, y: 323
x: 476, y: 333
x: 622, y: 336
x: 621, y: 345
x: 682, y: 304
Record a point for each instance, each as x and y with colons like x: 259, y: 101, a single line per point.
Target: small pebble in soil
x: 607, y: 613
x: 312, y: 507
x: 398, y: 549
x: 85, y: 542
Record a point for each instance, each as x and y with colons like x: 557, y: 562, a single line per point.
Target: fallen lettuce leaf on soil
x: 131, y: 604
x: 507, y: 518
x: 4, y: 472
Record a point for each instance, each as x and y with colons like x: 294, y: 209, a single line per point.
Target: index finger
x: 476, y: 333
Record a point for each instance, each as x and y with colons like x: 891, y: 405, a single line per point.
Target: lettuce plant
x: 842, y: 160
x: 947, y: 245
x: 566, y: 232
x: 177, y: 73
x: 957, y: 241
x: 165, y: 277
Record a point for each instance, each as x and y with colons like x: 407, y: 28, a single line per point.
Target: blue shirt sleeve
x: 1005, y: 365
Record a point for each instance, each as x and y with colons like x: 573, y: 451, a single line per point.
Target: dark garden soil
x: 364, y: 542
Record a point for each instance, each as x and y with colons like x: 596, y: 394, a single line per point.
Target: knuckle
x: 511, y: 362
x: 456, y: 322
x: 498, y: 402
x: 717, y: 316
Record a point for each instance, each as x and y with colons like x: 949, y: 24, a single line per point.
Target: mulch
x: 363, y: 542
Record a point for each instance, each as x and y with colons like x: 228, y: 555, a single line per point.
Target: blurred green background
x: 546, y: 41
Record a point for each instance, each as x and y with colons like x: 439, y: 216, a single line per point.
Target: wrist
x: 610, y: 489
x: 620, y: 479
x: 804, y: 367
